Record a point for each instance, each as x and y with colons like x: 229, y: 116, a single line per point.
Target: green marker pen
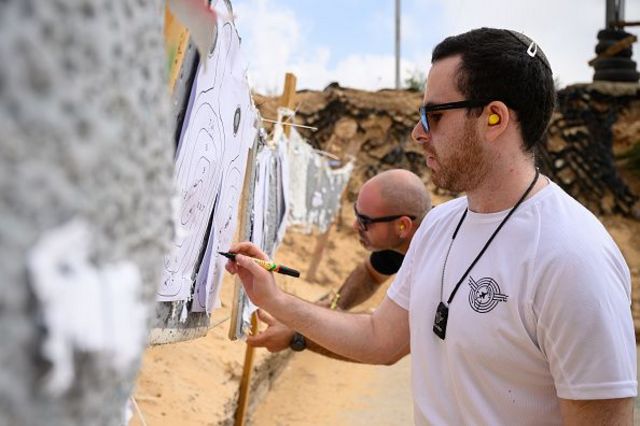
x: 269, y: 266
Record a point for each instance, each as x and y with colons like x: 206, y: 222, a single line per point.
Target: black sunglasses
x: 364, y: 220
x: 426, y: 109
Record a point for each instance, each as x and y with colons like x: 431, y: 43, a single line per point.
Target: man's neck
x: 403, y: 247
x: 501, y: 190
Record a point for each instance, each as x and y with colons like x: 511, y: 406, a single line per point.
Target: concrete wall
x: 85, y: 133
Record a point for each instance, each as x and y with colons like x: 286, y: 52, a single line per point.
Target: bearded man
x: 514, y: 299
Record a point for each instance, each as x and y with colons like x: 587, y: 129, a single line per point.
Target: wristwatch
x: 298, y: 342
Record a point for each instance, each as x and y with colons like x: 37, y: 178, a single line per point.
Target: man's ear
x: 495, y: 119
x: 404, y: 226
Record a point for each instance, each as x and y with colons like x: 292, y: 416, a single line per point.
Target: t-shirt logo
x: 485, y: 294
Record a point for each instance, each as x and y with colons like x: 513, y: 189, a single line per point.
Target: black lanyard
x: 442, y: 312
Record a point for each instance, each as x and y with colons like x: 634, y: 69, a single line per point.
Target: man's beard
x: 464, y: 169
x: 389, y: 243
x: 364, y: 241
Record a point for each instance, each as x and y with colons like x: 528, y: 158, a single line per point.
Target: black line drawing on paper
x: 221, y: 113
x: 222, y: 228
x: 236, y: 120
x: 197, y: 173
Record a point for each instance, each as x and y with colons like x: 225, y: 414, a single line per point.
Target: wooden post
x: 245, y: 380
x: 287, y: 100
x: 176, y: 39
x: 243, y: 233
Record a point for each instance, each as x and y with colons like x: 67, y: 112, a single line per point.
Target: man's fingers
x: 248, y: 249
x: 260, y: 340
x: 256, y: 341
x: 251, y: 266
x: 231, y: 267
x: 265, y: 317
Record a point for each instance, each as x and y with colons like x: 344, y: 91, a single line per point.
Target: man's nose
x: 418, y: 134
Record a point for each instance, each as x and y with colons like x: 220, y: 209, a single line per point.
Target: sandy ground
x: 195, y: 383
x: 315, y: 390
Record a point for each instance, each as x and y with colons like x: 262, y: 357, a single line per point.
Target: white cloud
x: 270, y: 37
x: 275, y: 44
x: 275, y: 41
x: 370, y: 72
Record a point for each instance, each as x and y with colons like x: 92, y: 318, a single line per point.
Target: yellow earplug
x: 401, y: 227
x: 494, y: 119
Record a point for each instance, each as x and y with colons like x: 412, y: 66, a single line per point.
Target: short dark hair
x: 498, y: 65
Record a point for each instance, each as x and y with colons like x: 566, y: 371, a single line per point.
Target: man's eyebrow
x: 431, y: 103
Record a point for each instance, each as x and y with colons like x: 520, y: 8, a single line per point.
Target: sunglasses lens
x: 423, y: 120
x: 360, y: 219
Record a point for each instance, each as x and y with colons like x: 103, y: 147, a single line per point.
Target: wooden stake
x: 287, y: 100
x: 243, y: 233
x: 245, y: 380
x: 176, y: 39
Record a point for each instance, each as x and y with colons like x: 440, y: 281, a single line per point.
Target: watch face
x: 298, y: 343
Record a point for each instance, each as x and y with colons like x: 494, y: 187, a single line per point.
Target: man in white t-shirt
x: 528, y: 320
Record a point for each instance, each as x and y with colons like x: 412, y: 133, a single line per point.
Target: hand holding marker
x: 269, y: 266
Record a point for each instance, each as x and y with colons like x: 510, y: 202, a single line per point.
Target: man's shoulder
x: 564, y: 215
x: 448, y: 207
x: 570, y: 237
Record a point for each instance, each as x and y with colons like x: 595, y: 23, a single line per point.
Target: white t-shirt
x: 545, y: 313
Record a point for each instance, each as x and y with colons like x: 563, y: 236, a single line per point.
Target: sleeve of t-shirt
x: 386, y: 262
x: 400, y: 289
x: 584, y: 325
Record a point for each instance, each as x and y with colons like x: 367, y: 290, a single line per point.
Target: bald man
x: 389, y: 209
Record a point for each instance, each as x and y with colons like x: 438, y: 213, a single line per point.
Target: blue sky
x: 352, y: 41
